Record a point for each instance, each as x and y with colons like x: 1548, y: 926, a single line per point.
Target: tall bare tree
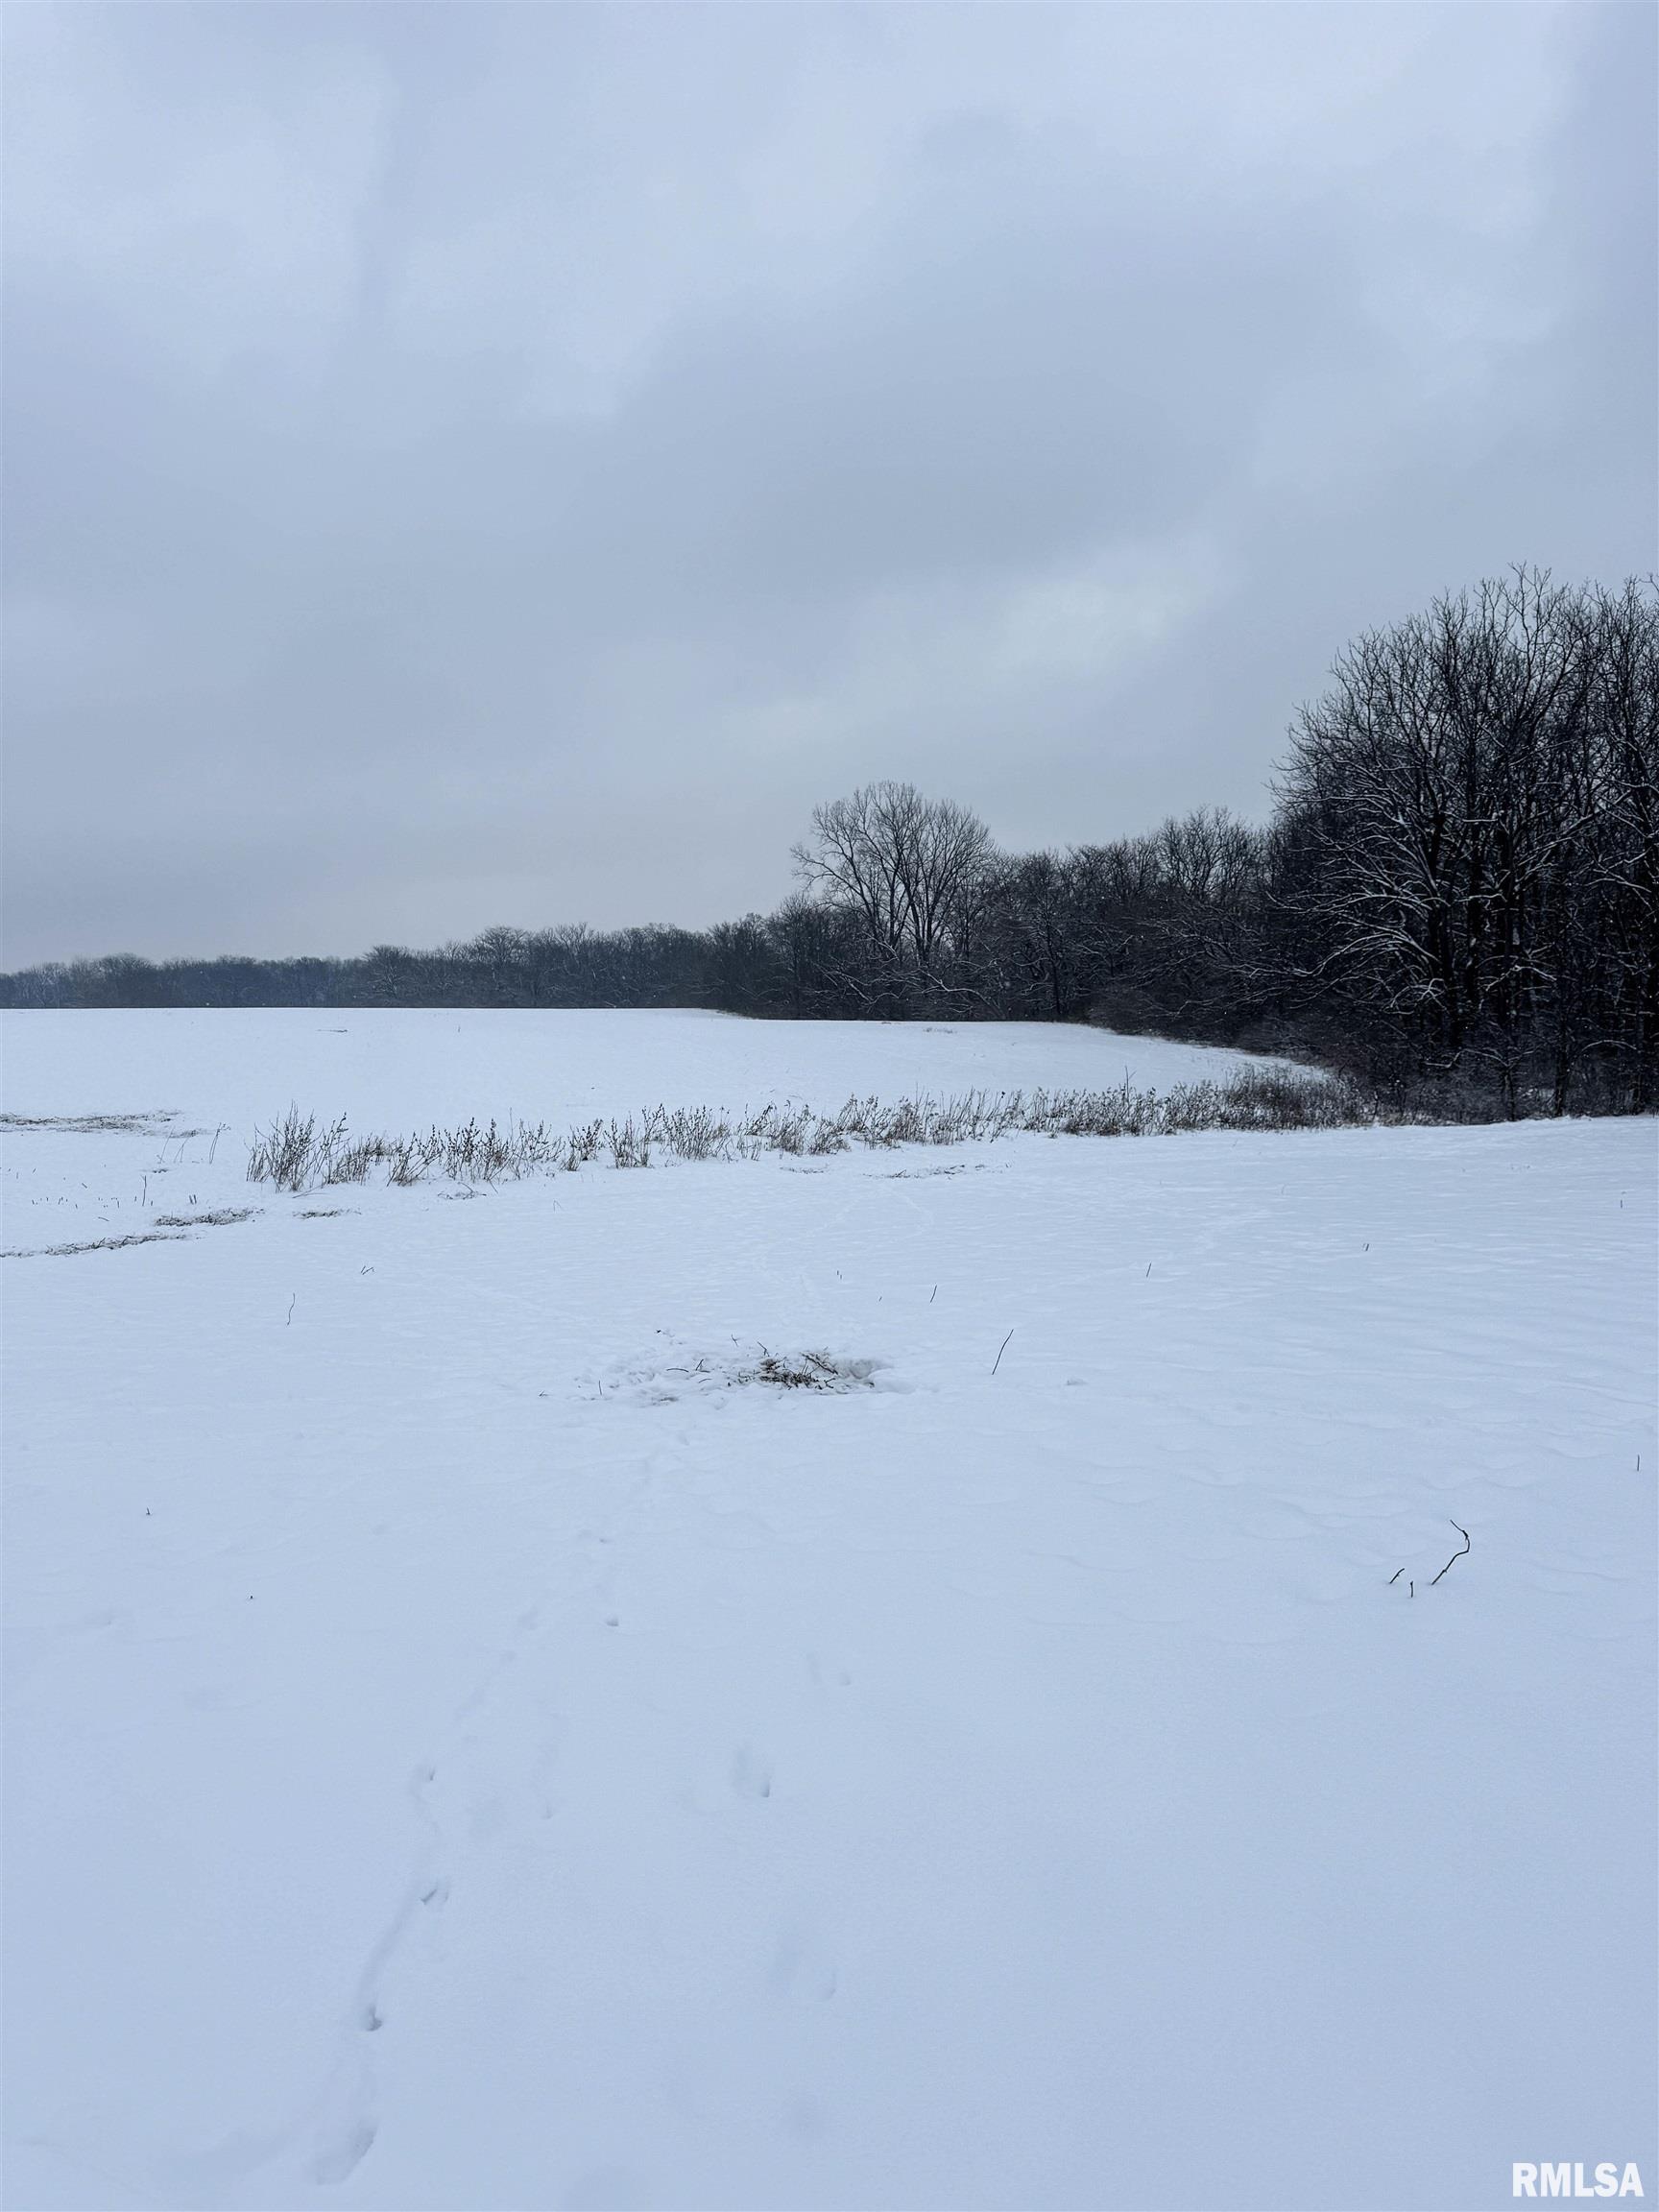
x: 1471, y: 809
x: 911, y: 869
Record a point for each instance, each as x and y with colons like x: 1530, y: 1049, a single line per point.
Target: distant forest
x: 1455, y: 898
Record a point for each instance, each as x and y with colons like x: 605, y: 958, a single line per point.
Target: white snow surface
x: 382, y: 1067
x: 473, y: 1742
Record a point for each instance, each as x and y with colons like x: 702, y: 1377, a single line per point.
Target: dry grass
x: 302, y: 1153
x: 96, y: 1244
x: 807, y: 1371
x: 100, y: 1124
x: 219, y: 1219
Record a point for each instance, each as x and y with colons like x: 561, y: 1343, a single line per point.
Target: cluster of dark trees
x: 1456, y: 894
x: 567, y: 967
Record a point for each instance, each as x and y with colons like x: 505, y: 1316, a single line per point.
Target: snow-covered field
x: 406, y: 1070
x: 471, y: 1741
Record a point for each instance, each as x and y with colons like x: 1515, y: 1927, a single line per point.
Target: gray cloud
x: 495, y: 463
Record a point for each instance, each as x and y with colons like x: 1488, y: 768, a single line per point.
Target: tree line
x: 1456, y: 895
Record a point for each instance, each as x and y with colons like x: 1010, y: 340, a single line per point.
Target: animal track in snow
x: 803, y: 1970
x: 342, y: 2157
x: 751, y: 1772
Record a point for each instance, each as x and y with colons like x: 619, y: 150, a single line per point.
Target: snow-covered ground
x: 381, y: 1067
x: 473, y: 1742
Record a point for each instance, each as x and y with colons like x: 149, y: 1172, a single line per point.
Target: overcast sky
x: 477, y: 463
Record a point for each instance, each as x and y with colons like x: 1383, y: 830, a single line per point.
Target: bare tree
x: 1471, y: 812
x: 911, y: 869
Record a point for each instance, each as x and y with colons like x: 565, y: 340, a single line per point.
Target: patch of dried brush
x: 302, y: 1153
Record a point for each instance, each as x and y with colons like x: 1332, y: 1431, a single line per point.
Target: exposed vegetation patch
x: 100, y: 1124
x: 667, y: 1381
x: 807, y: 1371
x: 97, y: 1244
x: 302, y: 1153
x: 221, y: 1217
